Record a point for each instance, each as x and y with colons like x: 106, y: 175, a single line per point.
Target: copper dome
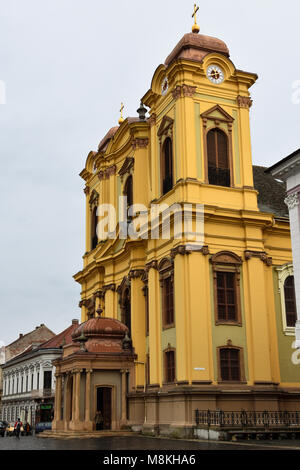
x: 196, y: 47
x: 100, y: 326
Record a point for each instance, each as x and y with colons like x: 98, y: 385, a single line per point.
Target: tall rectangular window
x: 230, y: 364
x: 290, y: 301
x: 47, y: 379
x: 226, y: 296
x: 170, y: 366
x: 168, y: 301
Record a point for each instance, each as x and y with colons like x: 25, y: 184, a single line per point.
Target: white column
x: 292, y: 201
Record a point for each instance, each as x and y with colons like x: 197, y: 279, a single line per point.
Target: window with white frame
x: 287, y: 296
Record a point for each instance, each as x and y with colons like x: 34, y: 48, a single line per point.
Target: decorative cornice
x: 136, y: 273
x: 140, y: 143
x: 188, y: 90
x: 183, y: 90
x: 152, y: 264
x: 99, y: 294
x: 152, y: 119
x: 105, y: 174
x: 292, y: 201
x: 259, y: 254
x: 127, y: 165
x: 176, y: 93
x: 94, y: 199
x: 89, y: 304
x: 111, y: 287
x: 244, y: 101
x: 187, y: 250
x: 179, y: 250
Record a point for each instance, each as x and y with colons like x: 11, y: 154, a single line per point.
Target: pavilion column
x: 155, y: 326
x: 77, y: 395
x: 88, y: 396
x: 73, y: 395
x: 58, y: 396
x: 138, y: 322
x: 123, y: 415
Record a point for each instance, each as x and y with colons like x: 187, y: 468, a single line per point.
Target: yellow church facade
x: 208, y: 321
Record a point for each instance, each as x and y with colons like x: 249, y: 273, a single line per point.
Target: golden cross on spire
x: 121, y: 111
x: 195, y: 28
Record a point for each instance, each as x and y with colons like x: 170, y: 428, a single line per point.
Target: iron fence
x: 247, y: 419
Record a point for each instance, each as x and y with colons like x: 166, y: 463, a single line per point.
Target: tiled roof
x: 284, y: 160
x: 104, y: 142
x: 196, y: 47
x: 42, y: 326
x: 62, y: 339
x: 272, y: 192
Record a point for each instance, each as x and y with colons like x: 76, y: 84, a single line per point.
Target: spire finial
x: 195, y: 27
x: 121, y: 111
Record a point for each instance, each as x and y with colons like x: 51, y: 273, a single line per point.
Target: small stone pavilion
x: 93, y: 377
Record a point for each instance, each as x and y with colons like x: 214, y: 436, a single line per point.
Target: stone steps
x: 83, y: 434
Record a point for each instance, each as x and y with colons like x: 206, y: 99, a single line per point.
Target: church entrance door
x: 103, y: 415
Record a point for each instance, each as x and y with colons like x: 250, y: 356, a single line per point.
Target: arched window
x: 218, y: 158
x: 124, y: 290
x: 128, y: 192
x: 167, y: 166
x: 290, y: 301
x: 93, y: 202
x: 127, y: 309
x: 94, y: 237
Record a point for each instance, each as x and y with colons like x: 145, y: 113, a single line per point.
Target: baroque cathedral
x: 170, y: 325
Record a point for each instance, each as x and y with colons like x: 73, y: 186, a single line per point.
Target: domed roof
x: 100, y: 326
x: 196, y: 46
x: 108, y: 136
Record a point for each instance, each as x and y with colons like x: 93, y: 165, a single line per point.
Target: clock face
x: 215, y: 74
x: 164, y: 86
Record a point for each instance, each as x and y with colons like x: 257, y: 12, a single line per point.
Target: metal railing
x: 247, y: 419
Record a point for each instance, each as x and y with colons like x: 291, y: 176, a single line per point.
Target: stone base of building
x: 73, y: 426
x: 171, y: 412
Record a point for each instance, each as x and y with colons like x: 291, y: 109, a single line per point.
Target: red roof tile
x: 62, y: 339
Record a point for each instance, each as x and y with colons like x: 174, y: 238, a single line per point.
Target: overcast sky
x: 67, y: 65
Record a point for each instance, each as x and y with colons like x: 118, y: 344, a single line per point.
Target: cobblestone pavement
x: 137, y: 443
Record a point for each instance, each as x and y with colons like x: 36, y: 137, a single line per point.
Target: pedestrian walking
x: 17, y: 427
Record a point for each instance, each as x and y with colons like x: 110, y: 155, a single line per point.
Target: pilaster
x: 154, y: 326
x: 138, y: 322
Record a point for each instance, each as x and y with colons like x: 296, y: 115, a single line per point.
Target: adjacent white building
x: 288, y: 170
x: 29, y: 381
